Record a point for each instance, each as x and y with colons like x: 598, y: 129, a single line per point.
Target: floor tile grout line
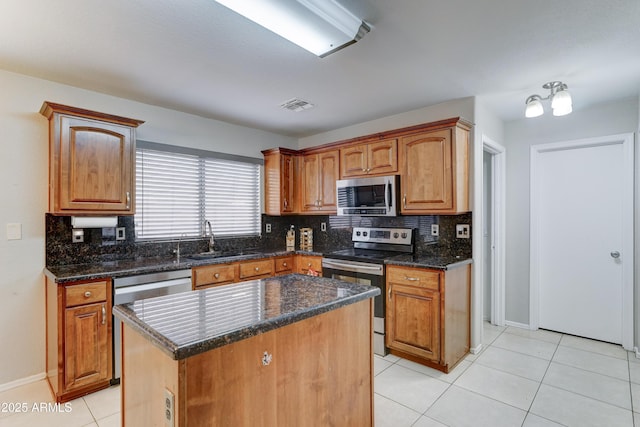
x: 591, y: 371
x: 542, y: 379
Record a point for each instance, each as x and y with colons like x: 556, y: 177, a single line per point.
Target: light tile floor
x: 521, y: 378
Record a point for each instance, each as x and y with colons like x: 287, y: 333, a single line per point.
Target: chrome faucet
x: 207, y: 224
x: 177, y: 250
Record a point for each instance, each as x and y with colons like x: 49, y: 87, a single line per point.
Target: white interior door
x: 582, y: 228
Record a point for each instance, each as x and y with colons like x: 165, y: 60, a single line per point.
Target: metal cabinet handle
x: 87, y: 294
x: 404, y: 201
x: 364, y: 169
x: 285, y: 203
x: 284, y: 264
x: 412, y: 279
x: 217, y: 275
x: 389, y: 292
x: 128, y: 199
x: 104, y: 315
x: 309, y: 265
x: 615, y: 254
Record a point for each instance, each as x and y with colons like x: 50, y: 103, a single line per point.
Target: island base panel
x: 318, y: 371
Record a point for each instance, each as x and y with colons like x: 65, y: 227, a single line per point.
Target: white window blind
x: 177, y: 191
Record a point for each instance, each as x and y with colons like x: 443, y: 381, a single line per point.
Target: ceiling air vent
x: 296, y: 105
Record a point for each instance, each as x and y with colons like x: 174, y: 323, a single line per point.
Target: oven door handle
x: 334, y: 264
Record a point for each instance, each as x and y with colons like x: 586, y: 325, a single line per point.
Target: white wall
x: 457, y: 108
x: 606, y: 119
x: 23, y: 191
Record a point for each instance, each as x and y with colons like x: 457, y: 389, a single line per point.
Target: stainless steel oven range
x: 364, y: 264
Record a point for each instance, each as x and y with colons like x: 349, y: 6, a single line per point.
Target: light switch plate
x: 77, y: 235
x: 14, y: 231
x: 121, y: 233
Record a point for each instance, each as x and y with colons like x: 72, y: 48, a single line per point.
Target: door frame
x: 626, y: 140
x: 498, y: 227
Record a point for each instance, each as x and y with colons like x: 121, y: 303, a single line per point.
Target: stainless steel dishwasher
x: 142, y: 286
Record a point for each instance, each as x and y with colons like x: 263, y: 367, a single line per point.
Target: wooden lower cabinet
x: 320, y: 373
x: 78, y: 338
x: 207, y: 276
x: 427, y: 318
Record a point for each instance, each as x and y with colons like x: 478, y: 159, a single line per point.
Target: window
x: 178, y: 189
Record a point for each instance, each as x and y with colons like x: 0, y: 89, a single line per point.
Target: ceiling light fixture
x: 560, y: 101
x: 319, y: 26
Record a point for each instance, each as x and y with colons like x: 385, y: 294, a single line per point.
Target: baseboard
x: 516, y: 324
x: 476, y: 350
x: 637, y: 351
x: 22, y: 381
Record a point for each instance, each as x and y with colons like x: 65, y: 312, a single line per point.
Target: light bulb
x: 534, y: 107
x: 561, y: 100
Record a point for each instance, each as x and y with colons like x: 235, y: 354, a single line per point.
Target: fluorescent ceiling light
x: 319, y: 26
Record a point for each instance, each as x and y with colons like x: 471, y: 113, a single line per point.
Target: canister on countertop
x: 306, y: 239
x: 291, y: 239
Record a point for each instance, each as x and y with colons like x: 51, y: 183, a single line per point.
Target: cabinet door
x: 382, y: 157
x: 353, y: 161
x: 87, y: 344
x: 329, y: 173
x: 96, y: 166
x: 309, y: 183
x: 427, y: 175
x: 287, y: 168
x: 413, y: 321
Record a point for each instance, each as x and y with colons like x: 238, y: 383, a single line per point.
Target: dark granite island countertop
x: 190, y: 323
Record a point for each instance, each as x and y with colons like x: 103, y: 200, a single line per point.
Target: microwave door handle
x: 387, y: 195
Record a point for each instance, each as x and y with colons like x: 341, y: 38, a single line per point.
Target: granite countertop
x: 425, y: 261
x: 123, y: 268
x: 189, y: 323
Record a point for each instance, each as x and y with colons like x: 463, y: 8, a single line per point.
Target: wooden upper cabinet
x: 374, y: 158
x: 318, y: 175
x: 435, y: 171
x: 280, y: 179
x: 91, y: 161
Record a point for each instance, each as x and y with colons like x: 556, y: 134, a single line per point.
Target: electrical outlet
x: 169, y: 408
x: 323, y: 226
x: 268, y: 228
x: 435, y: 230
x: 462, y: 231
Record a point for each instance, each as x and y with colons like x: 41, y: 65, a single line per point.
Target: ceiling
x: 198, y: 57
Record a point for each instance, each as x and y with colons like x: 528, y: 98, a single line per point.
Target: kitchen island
x: 289, y: 350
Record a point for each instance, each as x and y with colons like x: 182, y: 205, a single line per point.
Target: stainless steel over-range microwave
x: 375, y: 196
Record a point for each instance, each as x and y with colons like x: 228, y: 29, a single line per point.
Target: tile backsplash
x: 100, y: 244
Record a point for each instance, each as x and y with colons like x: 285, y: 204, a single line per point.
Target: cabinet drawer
x: 218, y: 274
x: 85, y: 293
x: 259, y: 268
x: 422, y: 278
x: 305, y: 262
x: 283, y: 265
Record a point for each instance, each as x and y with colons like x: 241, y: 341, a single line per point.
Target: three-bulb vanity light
x: 560, y: 101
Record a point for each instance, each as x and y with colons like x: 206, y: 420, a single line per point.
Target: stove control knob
x: 404, y: 235
x: 357, y: 233
x: 395, y: 235
x: 364, y: 233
